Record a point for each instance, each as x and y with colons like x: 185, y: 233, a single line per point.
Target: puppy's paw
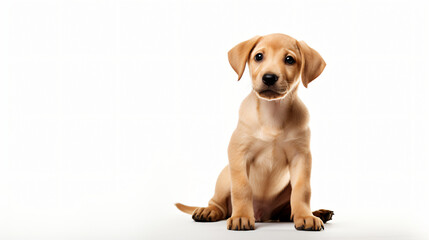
x: 308, y: 223
x: 324, y: 215
x: 207, y: 214
x: 240, y: 223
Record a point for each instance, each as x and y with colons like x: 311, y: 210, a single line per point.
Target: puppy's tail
x: 185, y: 209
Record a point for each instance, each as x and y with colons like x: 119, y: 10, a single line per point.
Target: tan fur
x: 185, y: 209
x: 268, y: 176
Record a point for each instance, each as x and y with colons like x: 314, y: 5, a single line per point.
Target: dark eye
x: 289, y: 60
x: 259, y: 57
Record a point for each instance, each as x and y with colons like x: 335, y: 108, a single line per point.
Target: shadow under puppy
x: 268, y: 175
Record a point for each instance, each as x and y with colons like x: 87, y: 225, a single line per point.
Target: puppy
x: 268, y: 176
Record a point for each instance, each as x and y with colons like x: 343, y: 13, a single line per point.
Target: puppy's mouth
x: 269, y: 94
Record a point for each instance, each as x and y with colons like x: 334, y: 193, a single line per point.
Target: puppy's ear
x: 239, y: 55
x: 312, y: 63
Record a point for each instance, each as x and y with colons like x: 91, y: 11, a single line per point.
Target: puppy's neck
x: 273, y: 113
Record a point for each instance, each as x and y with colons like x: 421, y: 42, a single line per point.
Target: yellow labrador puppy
x: 268, y: 176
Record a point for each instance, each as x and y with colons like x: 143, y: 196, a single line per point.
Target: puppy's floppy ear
x: 312, y: 63
x: 239, y: 54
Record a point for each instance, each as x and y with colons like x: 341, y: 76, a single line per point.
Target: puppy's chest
x: 269, y: 149
x: 270, y: 157
x: 272, y: 138
x: 269, y: 135
x: 268, y: 171
x: 269, y: 163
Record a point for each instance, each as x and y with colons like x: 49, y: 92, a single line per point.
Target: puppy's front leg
x: 300, y: 171
x: 241, y: 192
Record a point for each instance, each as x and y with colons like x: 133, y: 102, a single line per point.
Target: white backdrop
x: 111, y: 111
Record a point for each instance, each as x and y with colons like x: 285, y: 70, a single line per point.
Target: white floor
x: 181, y: 226
x: 165, y: 222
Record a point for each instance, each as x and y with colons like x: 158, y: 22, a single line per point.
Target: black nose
x: 269, y: 79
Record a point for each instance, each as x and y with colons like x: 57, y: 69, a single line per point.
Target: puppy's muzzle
x: 269, y: 79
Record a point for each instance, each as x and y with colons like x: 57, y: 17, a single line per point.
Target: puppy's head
x: 275, y: 63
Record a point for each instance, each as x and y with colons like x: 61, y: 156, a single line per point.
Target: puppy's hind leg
x: 324, y: 215
x: 219, y: 207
